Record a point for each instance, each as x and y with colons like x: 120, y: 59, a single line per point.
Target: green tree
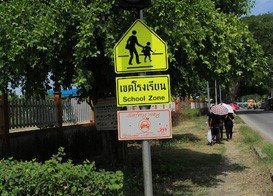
x: 261, y: 27
x: 42, y: 37
x: 237, y: 7
x: 74, y: 41
x: 34, y: 38
x: 207, y: 45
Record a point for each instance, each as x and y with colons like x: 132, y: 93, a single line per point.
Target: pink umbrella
x: 219, y: 110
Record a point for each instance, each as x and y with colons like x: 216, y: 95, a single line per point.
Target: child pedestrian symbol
x: 147, y: 51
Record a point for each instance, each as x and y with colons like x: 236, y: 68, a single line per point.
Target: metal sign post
x: 146, y: 155
x: 141, y: 50
x: 147, y: 168
x: 147, y: 163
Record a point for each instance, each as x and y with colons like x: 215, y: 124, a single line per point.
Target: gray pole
x: 147, y: 168
x: 208, y: 94
x: 220, y: 93
x: 146, y: 155
x: 215, y: 90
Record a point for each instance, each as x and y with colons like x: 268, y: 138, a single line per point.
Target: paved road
x: 259, y: 120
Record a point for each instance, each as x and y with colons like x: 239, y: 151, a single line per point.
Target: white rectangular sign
x: 144, y: 124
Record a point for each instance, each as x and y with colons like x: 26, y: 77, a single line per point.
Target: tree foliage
x: 262, y: 28
x: 208, y: 45
x: 237, y: 7
x: 74, y: 41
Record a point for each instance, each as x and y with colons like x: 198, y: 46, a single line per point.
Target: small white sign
x: 144, y: 124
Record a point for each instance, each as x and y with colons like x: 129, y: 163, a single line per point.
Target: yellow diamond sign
x: 140, y: 50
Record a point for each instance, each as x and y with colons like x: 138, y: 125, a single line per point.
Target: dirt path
x: 242, y: 174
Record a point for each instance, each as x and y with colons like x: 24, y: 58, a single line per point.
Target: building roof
x: 65, y: 93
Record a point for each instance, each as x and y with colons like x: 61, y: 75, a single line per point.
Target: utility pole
x: 215, y: 90
x: 220, y: 93
x: 208, y: 92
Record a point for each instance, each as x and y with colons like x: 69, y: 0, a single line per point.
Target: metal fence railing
x: 43, y: 113
x: 76, y: 112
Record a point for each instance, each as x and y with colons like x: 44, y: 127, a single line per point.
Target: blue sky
x: 262, y: 7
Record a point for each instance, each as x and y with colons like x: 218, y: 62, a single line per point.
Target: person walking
x: 131, y: 46
x: 221, y: 128
x: 229, y: 121
x: 214, y: 124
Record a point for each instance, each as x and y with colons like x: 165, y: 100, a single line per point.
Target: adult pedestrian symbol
x: 140, y: 50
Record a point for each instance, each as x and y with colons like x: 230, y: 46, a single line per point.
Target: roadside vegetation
x: 253, y: 139
x: 57, y: 177
x: 185, y: 164
x: 182, y: 165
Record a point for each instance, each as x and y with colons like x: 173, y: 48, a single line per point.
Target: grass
x: 252, y: 138
x: 190, y: 113
x: 184, y: 164
x: 238, y: 120
x: 268, y: 149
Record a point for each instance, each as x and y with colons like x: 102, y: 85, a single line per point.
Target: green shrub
x: 55, y: 177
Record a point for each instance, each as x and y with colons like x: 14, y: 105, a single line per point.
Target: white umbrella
x: 229, y: 108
